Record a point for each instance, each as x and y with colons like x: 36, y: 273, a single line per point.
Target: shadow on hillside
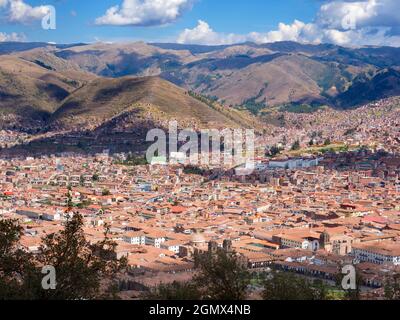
x: 84, y: 143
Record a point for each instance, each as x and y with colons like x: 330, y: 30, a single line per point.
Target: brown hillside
x: 149, y: 97
x: 30, y: 93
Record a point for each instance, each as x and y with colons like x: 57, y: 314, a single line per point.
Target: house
x: 296, y: 241
x: 154, y: 239
x: 295, y: 163
x: 171, y: 245
x: 385, y: 252
x: 134, y: 237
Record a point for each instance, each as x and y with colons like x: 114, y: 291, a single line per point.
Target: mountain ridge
x: 35, y: 78
x: 209, y: 70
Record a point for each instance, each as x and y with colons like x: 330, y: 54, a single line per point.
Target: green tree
x: 221, y: 276
x: 69, y: 199
x: 106, y: 192
x: 174, y: 292
x: 296, y: 145
x: 81, y: 180
x: 16, y: 265
x: 327, y: 142
x: 275, y: 150
x: 288, y: 286
x: 392, y: 287
x: 83, y: 269
x: 351, y: 294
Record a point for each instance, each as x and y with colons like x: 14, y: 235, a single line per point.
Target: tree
x: 221, y: 276
x: 351, y: 294
x: 275, y: 150
x: 392, y: 287
x: 106, y: 192
x: 69, y: 199
x: 174, y: 292
x: 83, y: 270
x: 81, y: 180
x: 16, y: 265
x: 288, y: 286
x: 327, y: 142
x: 193, y: 170
x: 296, y: 145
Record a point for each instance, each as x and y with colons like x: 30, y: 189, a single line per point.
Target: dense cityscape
x: 302, y: 213
x: 179, y: 154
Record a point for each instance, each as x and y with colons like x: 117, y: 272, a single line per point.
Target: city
x: 310, y: 215
x: 172, y: 153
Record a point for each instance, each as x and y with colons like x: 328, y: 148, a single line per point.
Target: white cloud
x: 21, y: 12
x: 344, y: 22
x: 144, y: 12
x: 364, y: 13
x: 203, y: 34
x: 11, y: 36
x: 333, y: 14
x: 304, y: 33
x: 297, y: 31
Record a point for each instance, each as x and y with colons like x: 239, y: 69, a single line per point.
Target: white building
x: 385, y: 252
x: 295, y: 163
x: 172, y: 246
x: 154, y: 240
x: 306, y: 243
x: 136, y: 238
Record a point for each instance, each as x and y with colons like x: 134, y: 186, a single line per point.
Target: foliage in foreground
x: 174, y: 291
x: 392, y: 287
x: 224, y: 276
x: 83, y: 269
x: 221, y: 276
x: 288, y: 286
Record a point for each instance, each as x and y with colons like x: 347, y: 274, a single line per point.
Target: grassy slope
x: 104, y: 99
x: 29, y: 90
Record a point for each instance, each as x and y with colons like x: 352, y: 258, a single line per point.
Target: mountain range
x: 89, y: 87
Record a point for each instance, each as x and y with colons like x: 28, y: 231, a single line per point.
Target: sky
x: 212, y: 22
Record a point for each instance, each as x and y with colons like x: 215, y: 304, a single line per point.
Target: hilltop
x: 151, y: 98
x: 40, y: 90
x: 30, y: 93
x: 248, y: 75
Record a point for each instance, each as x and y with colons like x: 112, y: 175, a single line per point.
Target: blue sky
x: 76, y: 19
x: 205, y: 21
